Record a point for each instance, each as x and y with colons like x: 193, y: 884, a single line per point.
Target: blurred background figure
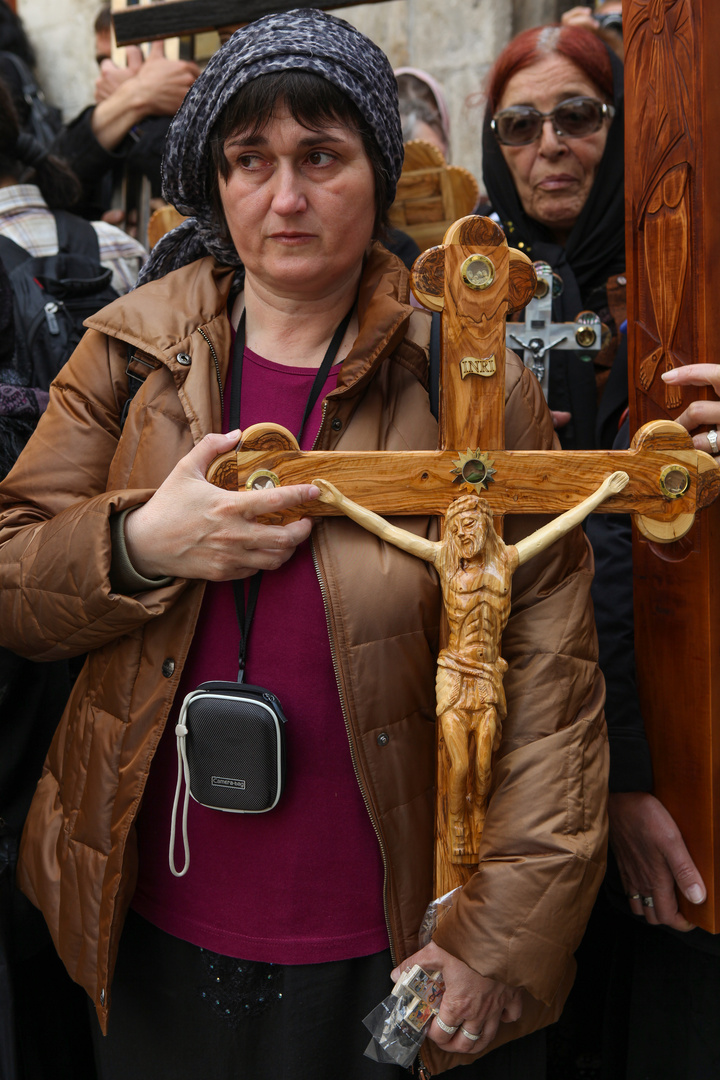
x: 553, y: 169
x: 103, y: 35
x: 431, y: 193
x: 17, y: 69
x: 33, y: 183
x: 605, y: 20
x: 115, y: 146
x: 423, y: 109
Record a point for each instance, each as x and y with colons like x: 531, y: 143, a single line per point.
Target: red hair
x: 582, y: 47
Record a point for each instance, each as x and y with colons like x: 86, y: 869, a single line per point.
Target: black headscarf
x: 595, y: 250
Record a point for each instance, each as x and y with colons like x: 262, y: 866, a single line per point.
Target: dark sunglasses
x: 574, y: 118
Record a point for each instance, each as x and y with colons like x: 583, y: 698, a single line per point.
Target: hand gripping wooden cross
x: 475, y: 279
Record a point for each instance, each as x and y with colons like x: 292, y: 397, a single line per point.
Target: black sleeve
x: 144, y: 147
x: 78, y: 145
x: 141, y: 151
x: 91, y: 163
x: 402, y: 245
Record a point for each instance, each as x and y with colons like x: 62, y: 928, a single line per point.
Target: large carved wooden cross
x: 475, y: 279
x: 672, y: 241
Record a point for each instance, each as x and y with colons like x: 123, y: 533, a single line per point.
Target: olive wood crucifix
x: 475, y: 280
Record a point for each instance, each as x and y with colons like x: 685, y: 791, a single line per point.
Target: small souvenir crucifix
x: 475, y: 280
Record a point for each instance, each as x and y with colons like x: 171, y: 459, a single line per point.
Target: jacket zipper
x: 422, y: 1070
x: 217, y: 368
x: 346, y: 718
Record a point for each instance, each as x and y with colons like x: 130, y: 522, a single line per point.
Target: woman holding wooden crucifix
x: 275, y: 301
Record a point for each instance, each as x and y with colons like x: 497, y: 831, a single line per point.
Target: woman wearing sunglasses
x: 553, y: 170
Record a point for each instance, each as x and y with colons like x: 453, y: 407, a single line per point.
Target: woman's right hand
x: 698, y: 412
x: 192, y: 529
x: 560, y: 419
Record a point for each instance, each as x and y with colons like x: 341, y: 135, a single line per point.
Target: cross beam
x: 669, y: 479
x: 180, y: 18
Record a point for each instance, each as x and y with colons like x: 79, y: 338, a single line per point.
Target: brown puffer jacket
x: 523, y: 914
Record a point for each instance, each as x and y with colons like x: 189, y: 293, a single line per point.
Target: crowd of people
x: 128, y: 584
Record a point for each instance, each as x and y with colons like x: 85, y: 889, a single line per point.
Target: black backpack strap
x: 11, y: 254
x: 434, y: 389
x: 28, y: 83
x: 135, y: 380
x: 76, y: 236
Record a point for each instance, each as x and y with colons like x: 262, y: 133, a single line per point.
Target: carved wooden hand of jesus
x: 475, y: 569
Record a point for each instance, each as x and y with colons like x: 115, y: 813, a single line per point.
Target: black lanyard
x: 245, y: 618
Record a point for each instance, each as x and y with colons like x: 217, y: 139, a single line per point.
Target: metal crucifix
x: 475, y: 279
x: 537, y: 335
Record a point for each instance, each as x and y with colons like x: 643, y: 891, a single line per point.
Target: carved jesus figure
x: 475, y: 569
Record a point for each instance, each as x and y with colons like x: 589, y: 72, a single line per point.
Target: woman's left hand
x: 652, y: 859
x: 472, y: 1005
x: 698, y: 412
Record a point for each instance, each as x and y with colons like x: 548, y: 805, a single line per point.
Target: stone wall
x: 62, y: 34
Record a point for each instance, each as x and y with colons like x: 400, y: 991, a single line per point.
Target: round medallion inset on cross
x: 478, y: 272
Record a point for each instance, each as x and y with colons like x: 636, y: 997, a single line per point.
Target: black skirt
x: 184, y: 1012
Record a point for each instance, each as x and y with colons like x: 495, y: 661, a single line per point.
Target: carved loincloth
x: 469, y: 685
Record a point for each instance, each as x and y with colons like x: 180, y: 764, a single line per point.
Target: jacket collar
x: 151, y: 319
x: 384, y: 310
x: 156, y: 318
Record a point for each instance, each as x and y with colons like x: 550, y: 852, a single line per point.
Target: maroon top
x: 304, y: 882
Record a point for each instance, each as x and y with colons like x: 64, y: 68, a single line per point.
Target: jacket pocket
x: 94, y: 785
